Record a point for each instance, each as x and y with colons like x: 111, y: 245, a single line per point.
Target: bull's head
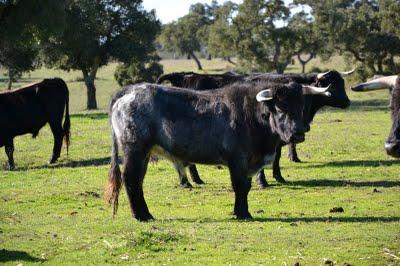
x: 392, y: 144
x: 285, y: 103
x: 338, y: 97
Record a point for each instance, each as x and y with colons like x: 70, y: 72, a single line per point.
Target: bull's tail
x: 67, y: 123
x: 114, y: 184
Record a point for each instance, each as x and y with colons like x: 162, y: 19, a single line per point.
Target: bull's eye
x: 264, y: 117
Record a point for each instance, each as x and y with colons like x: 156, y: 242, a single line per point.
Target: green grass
x: 57, y: 215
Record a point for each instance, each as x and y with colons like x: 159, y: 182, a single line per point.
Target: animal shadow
x: 15, y: 255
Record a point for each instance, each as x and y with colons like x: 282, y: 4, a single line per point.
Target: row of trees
x: 265, y: 35
x: 76, y: 35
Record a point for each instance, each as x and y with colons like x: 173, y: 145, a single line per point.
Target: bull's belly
x: 262, y: 162
x: 187, y: 156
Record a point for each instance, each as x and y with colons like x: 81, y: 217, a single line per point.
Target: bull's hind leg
x: 58, y: 134
x: 9, y: 148
x: 135, y: 169
x: 261, y: 180
x: 183, y: 180
x: 293, y: 153
x: 241, y: 184
x: 195, y: 175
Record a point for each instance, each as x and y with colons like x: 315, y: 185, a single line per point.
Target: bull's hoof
x: 10, y: 167
x: 295, y: 159
x: 186, y: 185
x: 198, y: 181
x: 144, y: 217
x: 262, y: 185
x: 52, y: 160
x: 244, y: 216
x: 280, y: 179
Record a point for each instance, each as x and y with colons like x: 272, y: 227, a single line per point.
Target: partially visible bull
x: 28, y: 109
x: 392, y: 144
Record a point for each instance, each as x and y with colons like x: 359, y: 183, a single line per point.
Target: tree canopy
x: 23, y: 26
x: 99, y: 31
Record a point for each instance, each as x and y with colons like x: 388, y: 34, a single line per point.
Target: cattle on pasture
x: 26, y: 110
x: 239, y: 125
x: 313, y: 103
x: 392, y: 144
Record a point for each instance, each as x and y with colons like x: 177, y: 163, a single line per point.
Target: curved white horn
x: 321, y: 75
x: 311, y: 90
x: 264, y: 95
x: 348, y: 72
x: 376, y: 84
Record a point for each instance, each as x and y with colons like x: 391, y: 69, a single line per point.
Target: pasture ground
x: 56, y: 215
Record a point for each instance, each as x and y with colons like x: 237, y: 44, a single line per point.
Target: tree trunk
x: 380, y: 67
x: 304, y: 62
x: 209, y: 57
x: 10, y: 78
x: 91, y: 103
x: 230, y: 60
x: 192, y: 55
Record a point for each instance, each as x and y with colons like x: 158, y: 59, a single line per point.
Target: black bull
x: 392, y: 144
x: 313, y: 103
x: 28, y: 109
x: 242, y: 133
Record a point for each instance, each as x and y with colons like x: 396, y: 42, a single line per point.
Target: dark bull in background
x: 28, y: 109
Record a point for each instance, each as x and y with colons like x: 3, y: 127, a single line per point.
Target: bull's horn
x: 348, y: 72
x: 311, y: 90
x: 321, y: 75
x: 264, y: 95
x: 376, y: 84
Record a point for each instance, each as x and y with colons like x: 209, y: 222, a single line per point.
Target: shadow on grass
x: 14, y: 255
x: 355, y: 163
x: 373, y: 104
x: 342, y: 183
x: 330, y: 219
x: 355, y: 219
x: 70, y: 164
x: 94, y: 116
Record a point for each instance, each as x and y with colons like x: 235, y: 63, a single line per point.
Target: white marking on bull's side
x: 119, y: 114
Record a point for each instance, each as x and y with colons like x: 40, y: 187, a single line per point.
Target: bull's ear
x: 264, y: 95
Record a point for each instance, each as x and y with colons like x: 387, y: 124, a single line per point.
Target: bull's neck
x: 315, y: 105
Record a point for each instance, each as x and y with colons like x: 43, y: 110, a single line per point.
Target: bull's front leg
x: 241, y: 184
x: 195, y: 174
x: 276, y: 168
x: 293, y: 153
x: 9, y: 148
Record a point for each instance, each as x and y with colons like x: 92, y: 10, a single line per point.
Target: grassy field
x: 57, y: 216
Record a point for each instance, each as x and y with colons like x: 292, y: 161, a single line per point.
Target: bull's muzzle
x: 393, y: 149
